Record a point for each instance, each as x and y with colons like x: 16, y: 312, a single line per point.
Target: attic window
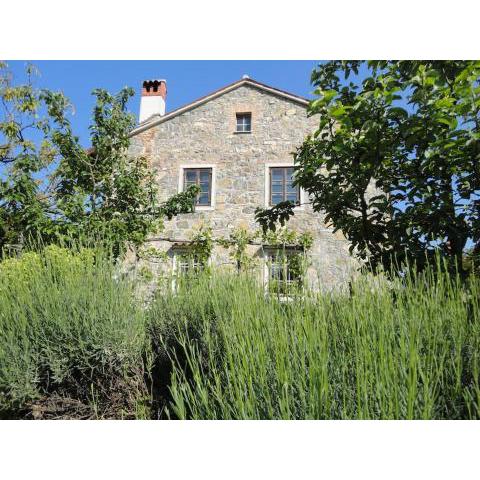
x: 244, y: 122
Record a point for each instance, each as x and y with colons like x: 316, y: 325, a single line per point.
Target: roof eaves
x: 279, y: 92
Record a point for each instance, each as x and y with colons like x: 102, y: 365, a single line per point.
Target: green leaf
x: 337, y: 111
x: 451, y: 122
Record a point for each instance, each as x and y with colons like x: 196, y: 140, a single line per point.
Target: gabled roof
x: 156, y: 119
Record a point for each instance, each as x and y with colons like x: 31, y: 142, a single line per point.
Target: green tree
x: 97, y: 193
x: 395, y: 161
x: 22, y: 205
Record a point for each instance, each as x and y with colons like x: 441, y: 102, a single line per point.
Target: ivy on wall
x: 201, y: 244
x: 237, y: 243
x: 285, y: 237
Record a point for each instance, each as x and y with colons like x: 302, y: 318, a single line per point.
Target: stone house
x: 236, y: 144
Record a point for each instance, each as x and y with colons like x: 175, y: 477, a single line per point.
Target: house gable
x: 245, y: 82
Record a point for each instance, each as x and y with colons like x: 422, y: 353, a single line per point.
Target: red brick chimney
x: 154, y: 93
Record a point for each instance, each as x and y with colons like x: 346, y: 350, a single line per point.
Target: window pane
x: 204, y: 176
x: 284, y: 276
x: 276, y: 199
x: 188, y: 264
x: 290, y: 188
x: 277, y: 174
x: 277, y: 188
x: 275, y: 271
x: 281, y: 188
x: 190, y: 176
x: 182, y: 263
x: 203, y: 199
x: 244, y: 122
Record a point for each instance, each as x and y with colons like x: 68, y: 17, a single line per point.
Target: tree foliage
x: 22, y: 208
x: 395, y: 161
x: 61, y: 191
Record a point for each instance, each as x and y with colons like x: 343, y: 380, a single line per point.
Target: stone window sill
x: 296, y: 208
x: 242, y: 133
x: 204, y: 208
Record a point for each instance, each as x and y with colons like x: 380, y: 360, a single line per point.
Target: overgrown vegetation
x: 394, y: 163
x: 403, y: 350
x: 71, y: 337
x: 74, y: 343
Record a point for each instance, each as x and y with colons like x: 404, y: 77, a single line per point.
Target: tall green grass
x: 407, y: 350
x: 76, y: 341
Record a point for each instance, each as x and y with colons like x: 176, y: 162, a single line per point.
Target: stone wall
x: 205, y: 136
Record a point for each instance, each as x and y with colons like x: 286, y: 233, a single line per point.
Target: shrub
x: 69, y: 334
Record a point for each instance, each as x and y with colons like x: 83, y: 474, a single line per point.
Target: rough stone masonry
x: 203, y: 134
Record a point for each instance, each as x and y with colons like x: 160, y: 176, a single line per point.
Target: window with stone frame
x: 202, y: 177
x: 188, y: 263
x: 244, y: 122
x: 284, y: 270
x: 187, y: 266
x: 281, y: 186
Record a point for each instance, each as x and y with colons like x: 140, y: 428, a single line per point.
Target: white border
x: 373, y: 450
x: 199, y: 208
x: 299, y: 208
x: 203, y: 30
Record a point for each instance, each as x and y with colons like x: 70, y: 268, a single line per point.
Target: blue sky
x: 186, y: 80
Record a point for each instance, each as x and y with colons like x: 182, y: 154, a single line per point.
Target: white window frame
x: 268, y: 166
x: 266, y: 274
x: 181, y: 174
x: 175, y: 254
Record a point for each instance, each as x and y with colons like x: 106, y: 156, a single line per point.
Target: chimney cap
x: 153, y: 80
x: 154, y: 88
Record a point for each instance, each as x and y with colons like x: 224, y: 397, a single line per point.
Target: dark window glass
x: 244, y: 122
x: 281, y: 186
x: 203, y: 178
